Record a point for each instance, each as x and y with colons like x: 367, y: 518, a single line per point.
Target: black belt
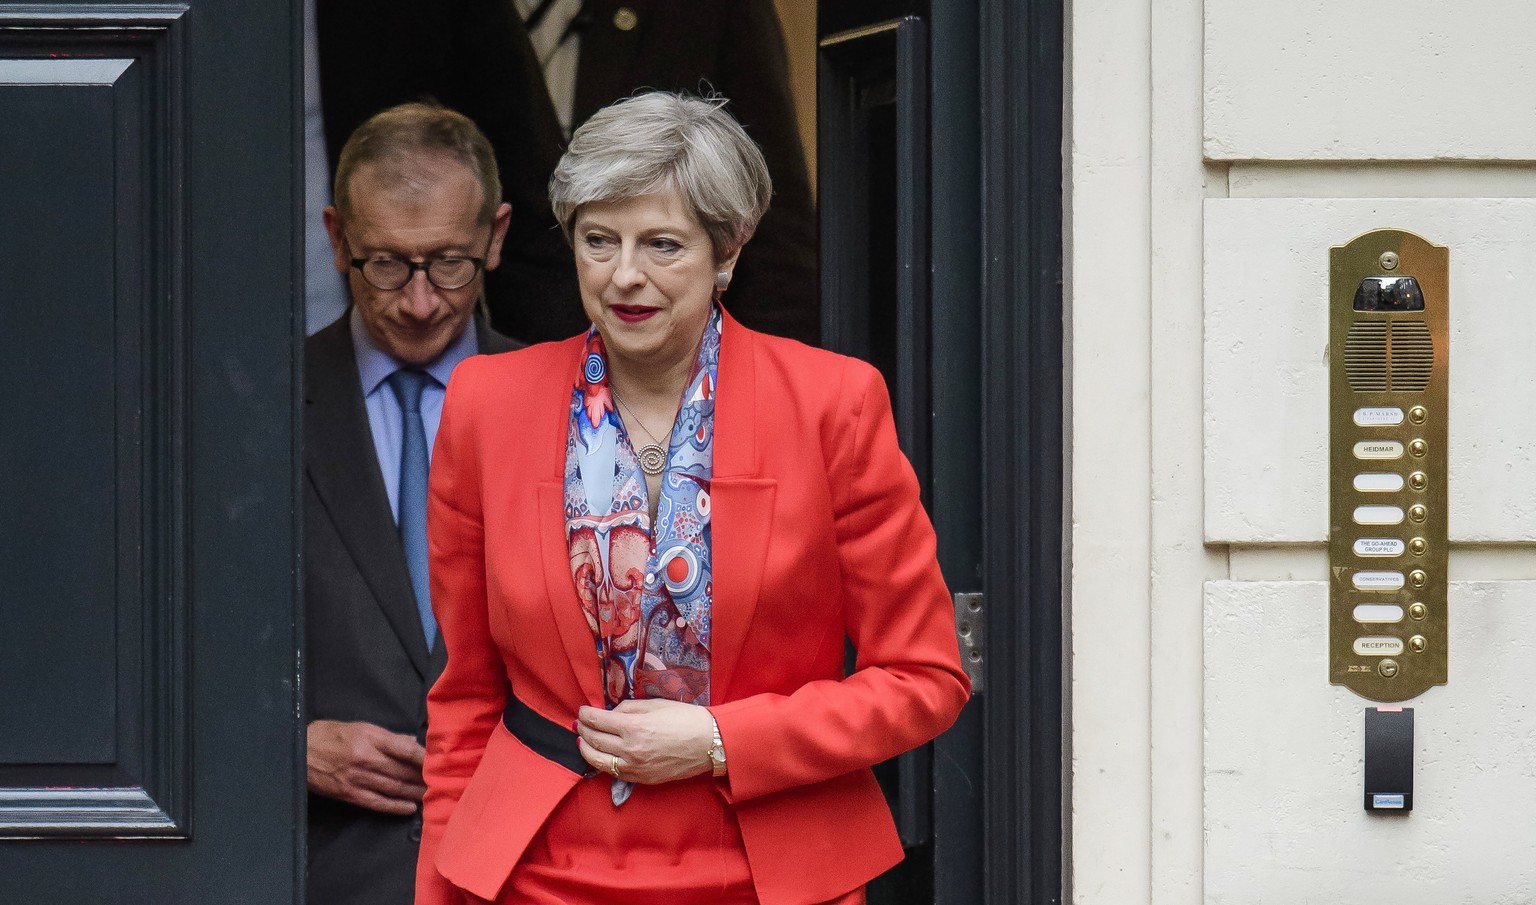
x: 546, y: 738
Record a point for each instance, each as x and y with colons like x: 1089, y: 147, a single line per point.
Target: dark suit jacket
x: 472, y: 54
x: 365, y: 655
x: 818, y: 536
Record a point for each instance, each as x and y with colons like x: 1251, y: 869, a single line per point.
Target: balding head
x: 404, y: 146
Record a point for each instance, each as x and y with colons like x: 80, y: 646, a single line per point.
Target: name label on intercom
x: 1388, y: 364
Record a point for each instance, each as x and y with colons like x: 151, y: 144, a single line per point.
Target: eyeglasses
x: 389, y: 274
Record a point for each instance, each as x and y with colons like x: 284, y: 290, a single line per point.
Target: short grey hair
x: 658, y: 141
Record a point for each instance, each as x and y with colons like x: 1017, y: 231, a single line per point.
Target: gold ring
x: 613, y: 765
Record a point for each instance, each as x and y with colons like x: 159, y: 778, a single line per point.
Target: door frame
x: 1024, y: 390
x: 978, y: 379
x: 998, y: 89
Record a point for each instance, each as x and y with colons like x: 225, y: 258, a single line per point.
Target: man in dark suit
x: 475, y: 55
x: 418, y: 219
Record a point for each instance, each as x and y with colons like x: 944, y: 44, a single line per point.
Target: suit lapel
x: 575, y: 634
x: 742, y: 505
x: 340, y: 461
x: 550, y: 428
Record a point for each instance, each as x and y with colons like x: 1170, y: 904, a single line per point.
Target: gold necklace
x: 652, y: 456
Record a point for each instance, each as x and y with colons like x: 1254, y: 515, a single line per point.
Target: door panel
x: 147, y: 516
x: 90, y: 549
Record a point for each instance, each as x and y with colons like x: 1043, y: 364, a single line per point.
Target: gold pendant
x: 653, y: 459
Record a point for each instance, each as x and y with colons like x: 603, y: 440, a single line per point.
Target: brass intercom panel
x: 1388, y: 375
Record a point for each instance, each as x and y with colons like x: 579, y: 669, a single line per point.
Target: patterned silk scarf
x: 646, y: 593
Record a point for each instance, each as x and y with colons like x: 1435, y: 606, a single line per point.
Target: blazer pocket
x: 508, y: 799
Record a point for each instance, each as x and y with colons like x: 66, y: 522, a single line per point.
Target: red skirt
x: 670, y: 844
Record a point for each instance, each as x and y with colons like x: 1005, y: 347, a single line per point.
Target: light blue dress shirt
x: 374, y: 366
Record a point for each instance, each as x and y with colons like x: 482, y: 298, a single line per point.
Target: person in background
x: 417, y: 221
x: 651, y: 544
x: 594, y: 52
x: 471, y: 56
x: 529, y: 71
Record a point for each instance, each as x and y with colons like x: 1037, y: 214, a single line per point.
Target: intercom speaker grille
x: 1365, y: 356
x: 1381, y: 356
x: 1412, y: 355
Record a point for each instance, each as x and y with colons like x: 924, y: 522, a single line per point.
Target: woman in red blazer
x: 649, y: 545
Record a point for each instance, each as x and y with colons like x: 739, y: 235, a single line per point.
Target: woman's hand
x: 655, y: 741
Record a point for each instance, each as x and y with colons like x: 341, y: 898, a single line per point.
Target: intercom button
x: 1378, y: 612
x: 1418, y: 448
x: 1418, y: 644
x: 1378, y: 416
x: 1378, y: 646
x: 1418, y: 414
x: 1379, y: 546
x: 1418, y: 611
x: 1378, y: 515
x: 1418, y: 578
x: 1378, y: 449
x: 1378, y: 482
x: 1418, y: 546
x: 1418, y: 480
x: 1378, y: 581
x: 1417, y: 512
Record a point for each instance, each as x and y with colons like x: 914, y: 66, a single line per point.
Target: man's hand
x: 366, y: 765
x: 655, y: 741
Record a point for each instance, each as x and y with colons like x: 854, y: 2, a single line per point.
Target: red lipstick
x: 632, y: 314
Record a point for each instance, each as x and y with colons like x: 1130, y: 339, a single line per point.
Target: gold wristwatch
x: 716, y: 750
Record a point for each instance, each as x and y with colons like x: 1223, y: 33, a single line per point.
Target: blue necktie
x: 413, y: 491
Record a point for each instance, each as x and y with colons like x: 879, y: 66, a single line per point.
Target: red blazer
x: 818, y: 534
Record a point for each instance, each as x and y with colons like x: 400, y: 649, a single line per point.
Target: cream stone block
x: 1266, y: 371
x: 1284, y: 761
x: 1406, y: 80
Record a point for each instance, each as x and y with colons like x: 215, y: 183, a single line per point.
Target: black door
x: 149, y: 749
x: 940, y: 143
